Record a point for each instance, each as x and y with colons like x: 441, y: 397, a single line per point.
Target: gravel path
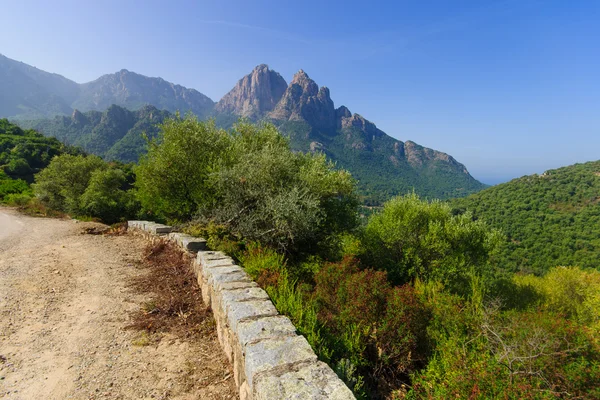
x: 64, y: 304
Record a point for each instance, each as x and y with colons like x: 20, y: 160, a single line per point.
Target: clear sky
x: 508, y: 88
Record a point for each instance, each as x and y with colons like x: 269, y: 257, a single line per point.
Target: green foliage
x: 411, y: 238
x: 25, y: 152
x: 85, y: 185
x: 11, y: 187
x: 286, y: 200
x: 567, y: 291
x: 479, y: 351
x: 379, y: 327
x: 174, y: 178
x: 550, y: 219
x: 61, y: 185
x: 106, y: 196
x: 249, y: 181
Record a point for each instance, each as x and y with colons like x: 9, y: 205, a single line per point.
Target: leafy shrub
x: 106, y: 198
x: 290, y: 201
x: 18, y: 199
x: 249, y: 181
x: 10, y: 187
x: 480, y: 351
x: 378, y: 327
x: 411, y: 238
x: 174, y: 178
x: 86, y: 185
x: 568, y: 291
x: 61, y: 185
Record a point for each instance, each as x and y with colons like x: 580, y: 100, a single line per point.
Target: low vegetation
x: 549, y: 219
x: 414, y: 302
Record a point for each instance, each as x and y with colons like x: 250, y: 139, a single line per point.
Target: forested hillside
x: 115, y: 134
x: 550, y: 219
x: 24, y: 153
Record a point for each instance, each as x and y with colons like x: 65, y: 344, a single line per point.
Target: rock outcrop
x: 254, y: 95
x: 303, y: 100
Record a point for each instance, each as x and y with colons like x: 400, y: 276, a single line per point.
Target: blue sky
x: 508, y: 88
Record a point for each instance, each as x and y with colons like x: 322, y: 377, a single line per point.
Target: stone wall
x: 270, y: 360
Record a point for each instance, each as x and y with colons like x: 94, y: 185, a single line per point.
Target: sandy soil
x: 64, y: 303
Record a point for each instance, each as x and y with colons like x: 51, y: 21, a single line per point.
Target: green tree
x: 106, y: 196
x: 287, y: 200
x: 61, y: 185
x: 172, y: 180
x: 412, y: 238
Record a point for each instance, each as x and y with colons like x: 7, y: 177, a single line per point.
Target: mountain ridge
x: 307, y: 114
x: 302, y: 110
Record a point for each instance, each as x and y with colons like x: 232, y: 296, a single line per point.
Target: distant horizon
x: 508, y: 88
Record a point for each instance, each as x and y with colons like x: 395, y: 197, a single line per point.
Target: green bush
x: 249, y: 181
x: 174, y: 180
x: 568, y: 291
x: 18, y: 199
x: 479, y: 351
x: 86, y: 186
x: 61, y: 185
x: 10, y: 187
x: 106, y: 196
x: 412, y: 238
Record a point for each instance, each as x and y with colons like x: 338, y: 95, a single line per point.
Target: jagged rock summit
x: 307, y: 114
x: 254, y: 95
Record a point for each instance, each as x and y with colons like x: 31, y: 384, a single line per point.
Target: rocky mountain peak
x: 303, y: 100
x: 308, y: 86
x: 255, y: 94
x: 78, y: 117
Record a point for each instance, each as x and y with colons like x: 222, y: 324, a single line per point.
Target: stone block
x: 212, y: 275
x: 218, y: 278
x: 264, y: 328
x: 268, y: 354
x: 315, y: 381
x: 193, y: 244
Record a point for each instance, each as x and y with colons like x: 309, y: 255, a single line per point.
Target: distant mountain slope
x: 115, y: 134
x: 29, y: 93
x: 383, y: 165
x: 551, y: 219
x: 130, y: 90
x: 26, y: 90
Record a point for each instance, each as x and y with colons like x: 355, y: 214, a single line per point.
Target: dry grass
x: 176, y: 304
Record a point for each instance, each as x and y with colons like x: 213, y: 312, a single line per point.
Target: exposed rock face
x: 304, y: 101
x: 419, y: 156
x: 255, y: 94
x: 78, y: 117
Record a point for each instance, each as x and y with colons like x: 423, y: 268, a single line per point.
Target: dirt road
x: 64, y: 304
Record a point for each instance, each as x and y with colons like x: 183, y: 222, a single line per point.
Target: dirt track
x: 64, y: 304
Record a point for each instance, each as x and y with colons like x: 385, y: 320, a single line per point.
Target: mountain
x: 302, y: 110
x: 306, y: 113
x: 130, y: 90
x: 254, y: 95
x: 29, y: 93
x: 115, y: 134
x: 26, y: 90
x: 552, y: 219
